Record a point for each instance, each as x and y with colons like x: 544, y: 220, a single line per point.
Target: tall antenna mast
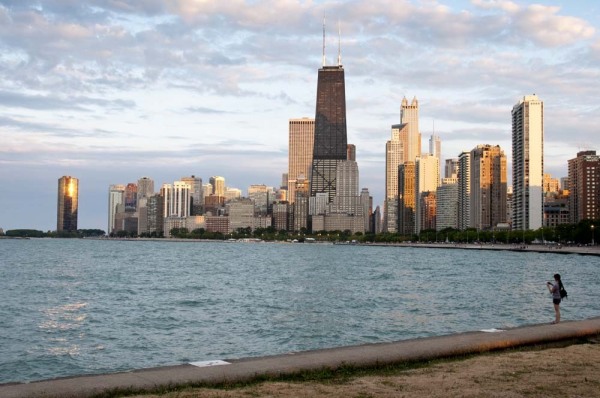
x: 339, y: 44
x: 323, y: 41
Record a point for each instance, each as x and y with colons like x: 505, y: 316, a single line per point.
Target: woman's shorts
x: 556, y: 301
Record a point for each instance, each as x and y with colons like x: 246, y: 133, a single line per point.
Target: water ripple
x: 71, y: 307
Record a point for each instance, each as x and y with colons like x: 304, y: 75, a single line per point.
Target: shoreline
x: 249, y: 370
x: 534, y: 248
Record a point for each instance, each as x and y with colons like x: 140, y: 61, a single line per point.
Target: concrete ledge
x: 360, y: 356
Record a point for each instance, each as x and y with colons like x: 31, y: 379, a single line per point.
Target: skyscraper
x: 464, y: 190
x: 67, y: 204
x: 584, y: 180
x: 330, y: 142
x: 130, y: 197
x: 447, y: 204
x: 218, y: 184
x: 116, y: 194
x: 407, y: 205
x: 435, y: 146
x: 300, y: 152
x: 427, y: 179
x: 488, y: 187
x: 409, y: 114
x: 528, y: 163
x: 196, y: 195
x: 145, y: 188
x: 394, y: 157
x: 176, y: 199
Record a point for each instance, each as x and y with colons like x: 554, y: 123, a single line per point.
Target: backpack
x: 563, y: 292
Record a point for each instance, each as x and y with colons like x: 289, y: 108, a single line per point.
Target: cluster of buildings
x: 473, y: 192
x: 320, y: 191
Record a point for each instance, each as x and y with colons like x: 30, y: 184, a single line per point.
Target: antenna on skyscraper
x: 339, y: 44
x: 323, y: 41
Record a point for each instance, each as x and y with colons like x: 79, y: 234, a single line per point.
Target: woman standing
x: 555, y: 289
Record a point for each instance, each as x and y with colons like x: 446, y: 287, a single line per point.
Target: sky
x: 110, y: 91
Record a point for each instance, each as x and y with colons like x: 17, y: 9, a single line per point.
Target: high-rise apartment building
x: 155, y: 215
x: 281, y: 216
x: 447, y: 204
x: 584, y: 181
x: 528, y: 163
x: 330, y: 142
x: 67, y: 204
x: 488, y: 187
x: 300, y: 152
x: 428, y: 210
x: 176, y: 199
x: 116, y: 194
x: 464, y: 190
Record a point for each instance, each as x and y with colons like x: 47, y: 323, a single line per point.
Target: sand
x: 572, y: 371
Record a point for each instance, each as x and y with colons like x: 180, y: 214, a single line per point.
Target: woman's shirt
x: 555, y: 290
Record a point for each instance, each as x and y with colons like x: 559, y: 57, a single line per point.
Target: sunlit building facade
x: 116, y: 194
x: 300, y: 152
x: 528, y: 163
x: 67, y: 204
x: 488, y: 187
x: 584, y: 180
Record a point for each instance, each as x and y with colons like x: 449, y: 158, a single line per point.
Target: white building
x: 528, y: 163
x: 116, y: 194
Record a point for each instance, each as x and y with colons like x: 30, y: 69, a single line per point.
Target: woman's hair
x: 560, y: 285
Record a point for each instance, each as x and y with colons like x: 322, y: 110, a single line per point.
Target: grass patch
x: 340, y: 375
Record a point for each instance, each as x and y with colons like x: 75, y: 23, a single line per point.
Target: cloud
x: 541, y: 24
x: 50, y: 102
x: 198, y: 109
x: 157, y: 84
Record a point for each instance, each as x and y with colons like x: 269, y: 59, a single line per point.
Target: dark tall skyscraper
x: 67, y: 204
x: 330, y: 142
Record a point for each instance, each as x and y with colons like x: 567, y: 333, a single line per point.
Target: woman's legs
x: 557, y: 312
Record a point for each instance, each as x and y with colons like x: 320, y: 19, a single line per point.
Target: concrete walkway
x: 362, y: 356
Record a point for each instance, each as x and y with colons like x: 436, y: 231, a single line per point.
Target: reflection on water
x: 63, y: 317
x: 71, y: 307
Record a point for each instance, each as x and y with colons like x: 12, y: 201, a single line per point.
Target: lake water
x: 72, y: 307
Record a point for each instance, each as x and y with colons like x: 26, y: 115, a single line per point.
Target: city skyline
x: 162, y: 90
